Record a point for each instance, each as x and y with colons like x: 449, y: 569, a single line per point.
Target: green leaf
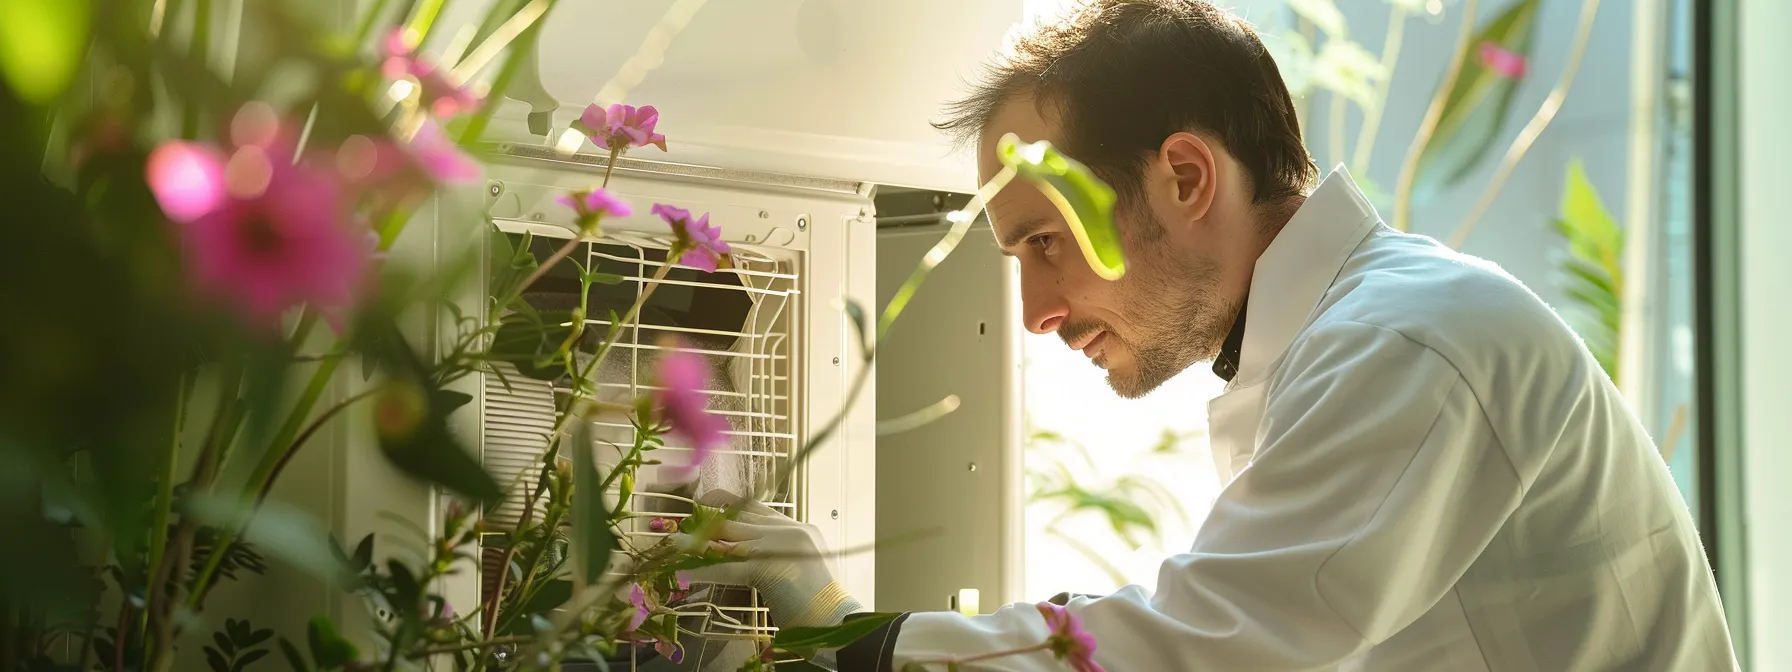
x: 551, y: 595
x: 1477, y: 105
x: 1293, y: 55
x: 806, y: 641
x: 363, y: 554
x: 1594, y: 269
x: 223, y: 642
x: 256, y: 638
x: 216, y: 660
x: 1346, y: 68
x: 707, y: 559
x: 293, y: 658
x: 42, y: 46
x: 282, y: 530
x: 407, y: 593
x: 1323, y: 13
x: 327, y: 648
x: 248, y: 658
x: 1086, y: 202
x: 590, y: 518
x: 856, y: 313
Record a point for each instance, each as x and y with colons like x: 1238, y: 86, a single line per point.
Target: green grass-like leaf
x: 1477, y: 106
x: 1086, y: 202
x: 1594, y: 271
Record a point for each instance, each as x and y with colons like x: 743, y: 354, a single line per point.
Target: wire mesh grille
x: 742, y: 322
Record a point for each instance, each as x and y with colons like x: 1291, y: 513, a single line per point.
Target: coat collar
x: 1294, y: 272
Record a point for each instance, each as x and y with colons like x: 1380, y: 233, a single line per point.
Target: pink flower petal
x: 398, y: 43
x: 681, y: 376
x: 593, y: 118
x: 187, y: 179
x: 699, y: 259
x: 1502, y: 61
x: 440, y: 158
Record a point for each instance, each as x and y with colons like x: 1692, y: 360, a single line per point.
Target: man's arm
x: 1377, y: 482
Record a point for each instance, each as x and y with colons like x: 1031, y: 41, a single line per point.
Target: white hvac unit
x: 801, y: 127
x: 773, y: 330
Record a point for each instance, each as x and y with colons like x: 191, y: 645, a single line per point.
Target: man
x: 1425, y: 469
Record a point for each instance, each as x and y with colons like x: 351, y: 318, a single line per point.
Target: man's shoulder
x: 1467, y: 309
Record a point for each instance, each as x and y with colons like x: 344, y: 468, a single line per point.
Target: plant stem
x: 452, y: 648
x: 164, y: 502
x: 299, y: 442
x: 1390, y: 57
x: 565, y: 250
x: 270, y: 460
x: 1546, y: 113
x: 368, y: 20
x: 1409, y: 169
x: 955, y: 660
x: 200, y: 48
x: 524, y: 42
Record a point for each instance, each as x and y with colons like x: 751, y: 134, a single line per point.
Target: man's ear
x: 1188, y: 164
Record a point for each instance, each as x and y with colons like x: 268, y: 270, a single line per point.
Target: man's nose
x: 1042, y: 311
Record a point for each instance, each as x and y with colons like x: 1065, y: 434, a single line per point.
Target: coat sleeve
x: 1376, y: 483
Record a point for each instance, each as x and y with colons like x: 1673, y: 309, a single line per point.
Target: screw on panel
x: 763, y: 214
x: 495, y: 188
x: 836, y: 361
x: 802, y: 223
x: 973, y: 466
x: 835, y: 514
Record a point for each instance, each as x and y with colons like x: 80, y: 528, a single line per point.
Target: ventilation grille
x: 740, y: 320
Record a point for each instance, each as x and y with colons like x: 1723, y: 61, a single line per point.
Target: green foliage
x: 41, y: 42
x: 806, y: 642
x: 1086, y: 202
x: 591, y: 517
x: 1593, y: 271
x: 1131, y: 505
x: 237, y: 646
x: 1477, y: 106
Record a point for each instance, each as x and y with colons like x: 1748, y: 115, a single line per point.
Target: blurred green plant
x: 1593, y: 269
x: 1131, y: 504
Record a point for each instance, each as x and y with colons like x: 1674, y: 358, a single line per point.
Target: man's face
x: 1164, y: 315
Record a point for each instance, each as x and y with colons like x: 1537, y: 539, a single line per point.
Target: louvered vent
x: 740, y: 320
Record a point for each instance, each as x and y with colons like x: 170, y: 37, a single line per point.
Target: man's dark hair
x: 1122, y: 75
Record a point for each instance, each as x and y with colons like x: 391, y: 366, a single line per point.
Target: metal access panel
x: 959, y: 478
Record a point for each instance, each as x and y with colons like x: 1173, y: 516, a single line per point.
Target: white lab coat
x: 1424, y: 469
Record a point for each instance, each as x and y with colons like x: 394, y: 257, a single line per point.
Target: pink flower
x: 1069, y: 641
x: 396, y: 172
x: 681, y: 378
x: 1501, y: 61
x: 671, y: 650
x: 259, y: 231
x: 637, y: 598
x: 593, y: 205
x: 684, y: 580
x: 442, y: 96
x: 621, y: 126
x: 697, y: 244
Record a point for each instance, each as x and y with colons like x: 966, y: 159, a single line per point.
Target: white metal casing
x: 825, y: 227
x: 829, y: 88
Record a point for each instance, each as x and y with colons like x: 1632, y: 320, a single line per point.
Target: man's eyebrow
x: 1021, y: 232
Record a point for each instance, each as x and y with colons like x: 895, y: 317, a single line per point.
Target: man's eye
x: 1041, y: 242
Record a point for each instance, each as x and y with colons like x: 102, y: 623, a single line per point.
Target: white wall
x: 1765, y: 96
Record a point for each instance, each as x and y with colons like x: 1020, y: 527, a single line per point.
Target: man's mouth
x: 1091, y: 347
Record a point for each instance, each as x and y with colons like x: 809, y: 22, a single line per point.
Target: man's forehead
x: 1020, y: 117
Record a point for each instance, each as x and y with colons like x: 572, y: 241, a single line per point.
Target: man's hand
x: 786, y: 561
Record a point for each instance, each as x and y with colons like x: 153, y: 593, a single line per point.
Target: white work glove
x: 786, y: 561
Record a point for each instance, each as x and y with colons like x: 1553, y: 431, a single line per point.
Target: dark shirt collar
x: 1225, y: 365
